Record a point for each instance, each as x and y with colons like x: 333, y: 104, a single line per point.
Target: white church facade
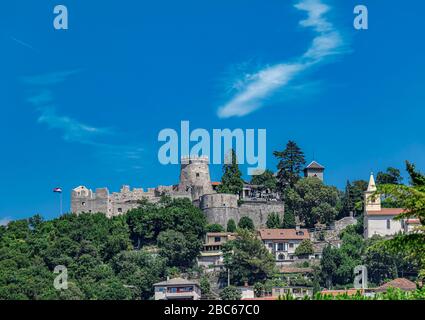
x: 380, y: 221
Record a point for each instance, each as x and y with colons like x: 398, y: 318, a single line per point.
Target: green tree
x: 180, y: 250
x: 231, y: 181
x: 313, y: 201
x: 248, y: 259
x: 391, y: 176
x: 305, y: 248
x: 266, y: 180
x: 205, y: 286
x: 246, y: 223
x: 348, y: 201
x: 337, y: 264
x: 215, y: 227
x: 383, y: 264
x: 231, y: 225
x: 288, y: 219
x: 273, y: 221
x: 230, y: 293
x: 291, y: 163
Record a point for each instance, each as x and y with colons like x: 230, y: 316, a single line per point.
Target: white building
x: 211, y: 256
x: 380, y: 221
x: 177, y: 289
x: 282, y: 243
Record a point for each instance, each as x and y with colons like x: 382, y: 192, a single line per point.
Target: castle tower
x: 372, y: 202
x: 314, y: 169
x: 195, y: 176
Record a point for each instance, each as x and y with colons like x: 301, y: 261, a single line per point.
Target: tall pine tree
x: 291, y: 163
x: 231, y: 181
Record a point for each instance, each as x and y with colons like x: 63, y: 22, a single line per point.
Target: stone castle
x: 195, y: 184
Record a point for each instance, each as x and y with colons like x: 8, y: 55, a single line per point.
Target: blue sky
x: 85, y: 105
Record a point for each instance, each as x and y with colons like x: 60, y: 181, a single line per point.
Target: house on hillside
x: 211, y: 256
x: 282, y: 243
x: 177, y: 289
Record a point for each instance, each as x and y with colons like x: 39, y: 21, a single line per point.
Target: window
x: 217, y: 239
x: 281, y: 257
x: 270, y: 245
x: 83, y: 204
x: 120, y: 210
x: 280, y: 246
x: 197, y: 174
x: 291, y: 245
x: 388, y: 224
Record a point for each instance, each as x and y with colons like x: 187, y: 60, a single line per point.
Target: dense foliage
x: 337, y: 264
x: 273, y: 221
x: 99, y: 253
x: 312, y: 201
x: 246, y: 223
x: 248, y: 259
x: 290, y: 166
x: 265, y: 181
x: 231, y: 180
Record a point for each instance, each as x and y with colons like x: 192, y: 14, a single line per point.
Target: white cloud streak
x: 70, y: 129
x: 256, y: 88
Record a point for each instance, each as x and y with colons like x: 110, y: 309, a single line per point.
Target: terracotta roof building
x: 282, y: 243
x: 400, y: 283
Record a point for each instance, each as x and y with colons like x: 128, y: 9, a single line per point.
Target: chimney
x: 245, y: 284
x: 297, y: 227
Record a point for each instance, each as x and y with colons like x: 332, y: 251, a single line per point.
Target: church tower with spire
x: 372, y: 201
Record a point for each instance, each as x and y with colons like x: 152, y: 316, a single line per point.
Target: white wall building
x: 177, y: 289
x: 380, y: 221
x: 282, y: 243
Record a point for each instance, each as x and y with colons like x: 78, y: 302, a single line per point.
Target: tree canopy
x: 290, y: 166
x: 106, y: 258
x: 231, y: 180
x: 248, y: 259
x: 312, y: 201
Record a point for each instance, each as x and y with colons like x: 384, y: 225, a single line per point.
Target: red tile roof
x: 215, y: 183
x: 386, y: 212
x: 284, y: 234
x: 401, y: 283
x: 413, y: 221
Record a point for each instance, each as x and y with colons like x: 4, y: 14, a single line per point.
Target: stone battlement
x: 195, y: 184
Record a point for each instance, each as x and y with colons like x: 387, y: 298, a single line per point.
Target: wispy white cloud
x: 42, y: 98
x: 24, y: 44
x: 71, y: 129
x: 254, y: 89
x: 49, y: 79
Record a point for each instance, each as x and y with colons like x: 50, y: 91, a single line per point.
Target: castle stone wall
x: 259, y: 211
x: 219, y: 208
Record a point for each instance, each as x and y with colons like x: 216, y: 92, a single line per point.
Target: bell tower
x: 372, y: 200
